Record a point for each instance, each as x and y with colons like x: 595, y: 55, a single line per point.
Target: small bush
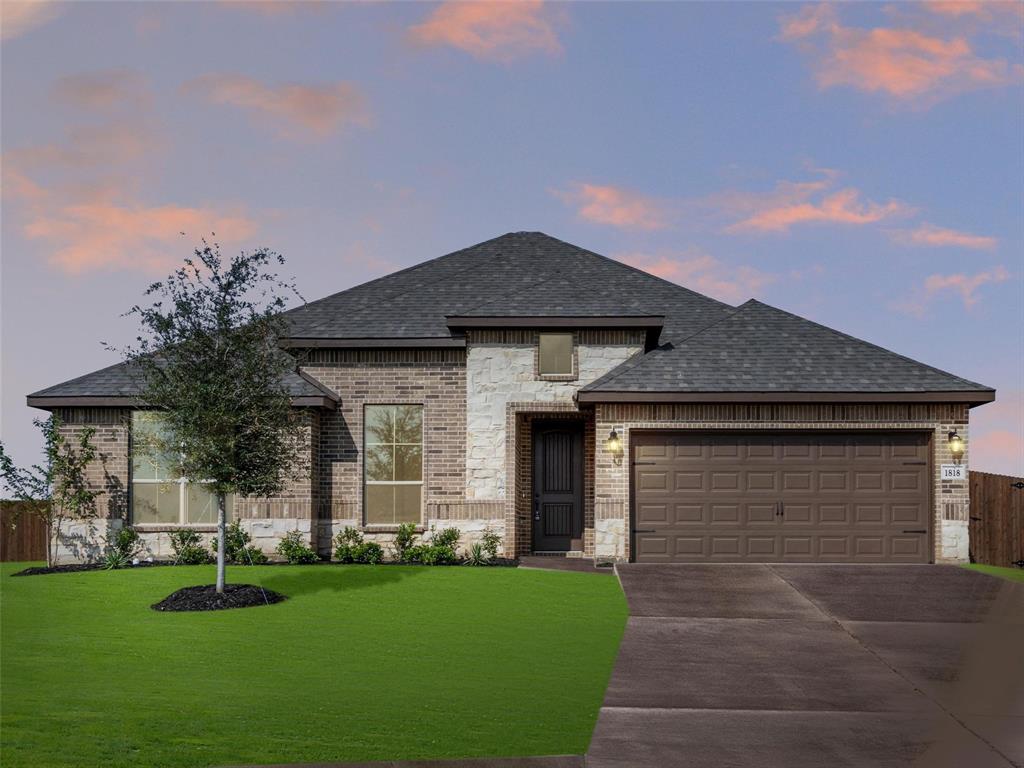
x: 447, y: 537
x: 238, y: 548
x: 345, y: 544
x: 295, y: 550
x: 369, y: 552
x: 124, y: 547
x: 430, y: 554
x: 350, y: 548
x: 490, y: 541
x: 404, y: 538
x: 188, y: 548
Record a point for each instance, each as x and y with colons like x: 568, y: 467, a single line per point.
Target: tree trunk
x: 49, y: 544
x: 221, y: 525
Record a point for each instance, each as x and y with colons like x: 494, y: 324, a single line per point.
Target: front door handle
x: 536, y: 508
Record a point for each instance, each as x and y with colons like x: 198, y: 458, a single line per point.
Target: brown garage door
x: 815, y: 497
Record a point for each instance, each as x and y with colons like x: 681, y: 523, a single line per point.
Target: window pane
x: 156, y: 503
x: 380, y: 462
x: 408, y: 462
x: 150, y: 459
x: 407, y: 503
x: 555, y: 353
x: 201, y: 505
x: 380, y: 504
x: 409, y: 424
x: 380, y: 424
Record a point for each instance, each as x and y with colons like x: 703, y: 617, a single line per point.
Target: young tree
x: 58, y: 490
x: 210, y: 364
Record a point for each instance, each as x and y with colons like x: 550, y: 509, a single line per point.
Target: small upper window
x: 555, y: 354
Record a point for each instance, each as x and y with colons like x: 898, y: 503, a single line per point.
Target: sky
x: 861, y: 165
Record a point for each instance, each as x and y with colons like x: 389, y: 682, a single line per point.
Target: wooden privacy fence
x: 24, y: 541
x: 997, y: 519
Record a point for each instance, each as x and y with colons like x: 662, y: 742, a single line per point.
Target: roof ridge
x: 631, y: 268
x: 390, y: 275
x: 866, y: 343
x: 632, y: 362
x: 383, y: 302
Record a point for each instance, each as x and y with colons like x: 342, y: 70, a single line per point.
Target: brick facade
x: 329, y: 496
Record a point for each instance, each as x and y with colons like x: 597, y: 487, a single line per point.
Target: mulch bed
x: 39, y: 570
x: 206, y: 598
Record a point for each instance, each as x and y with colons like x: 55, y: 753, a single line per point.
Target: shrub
x: 404, y: 537
x: 125, y: 545
x: 345, y: 544
x: 350, y: 548
x: 447, y: 537
x: 490, y: 541
x: 188, y: 548
x: 295, y: 550
x: 369, y: 552
x: 477, y: 555
x: 430, y: 554
x: 238, y: 548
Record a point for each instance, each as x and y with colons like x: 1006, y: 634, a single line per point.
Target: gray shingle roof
x: 760, y: 348
x: 519, y: 270
x: 123, y: 380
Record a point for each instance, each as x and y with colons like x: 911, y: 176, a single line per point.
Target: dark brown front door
x: 790, y: 497
x: 557, y: 485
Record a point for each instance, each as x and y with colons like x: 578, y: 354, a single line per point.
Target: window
x: 555, y: 358
x: 160, y: 495
x: 393, y: 443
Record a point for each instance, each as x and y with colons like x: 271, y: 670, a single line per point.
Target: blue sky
x: 858, y: 164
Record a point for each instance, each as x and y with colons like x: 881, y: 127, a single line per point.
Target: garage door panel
x: 762, y: 514
x: 844, y: 497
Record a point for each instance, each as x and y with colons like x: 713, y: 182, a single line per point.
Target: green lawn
x: 361, y: 663
x: 1010, y: 574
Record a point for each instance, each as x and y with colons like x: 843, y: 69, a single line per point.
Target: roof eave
x: 430, y: 342
x: 972, y: 398
x: 47, y: 402
x: 462, y: 322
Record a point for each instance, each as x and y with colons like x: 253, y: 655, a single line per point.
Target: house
x: 576, y: 405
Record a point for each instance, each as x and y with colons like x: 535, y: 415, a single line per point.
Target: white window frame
x: 367, y: 482
x: 182, y: 482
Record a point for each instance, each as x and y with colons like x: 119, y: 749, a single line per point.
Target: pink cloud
x: 964, y: 285
x: 904, y: 64
x: 101, y: 235
x: 704, y: 273
x: 983, y: 9
x: 615, y: 206
x: 19, y: 16
x: 315, y: 110
x: 931, y: 235
x: 494, y: 29
x: 780, y: 212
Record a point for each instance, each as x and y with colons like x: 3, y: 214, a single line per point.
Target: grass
x: 1010, y: 574
x: 361, y: 663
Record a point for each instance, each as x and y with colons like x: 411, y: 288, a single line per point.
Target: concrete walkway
x: 810, y: 665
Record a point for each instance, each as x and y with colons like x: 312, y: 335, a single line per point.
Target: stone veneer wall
x: 950, y: 499
x: 501, y: 368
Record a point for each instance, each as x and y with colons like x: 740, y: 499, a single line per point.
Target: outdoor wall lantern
x: 956, y: 446
x: 614, y: 446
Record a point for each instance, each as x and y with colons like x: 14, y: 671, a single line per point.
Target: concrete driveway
x: 815, y: 665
